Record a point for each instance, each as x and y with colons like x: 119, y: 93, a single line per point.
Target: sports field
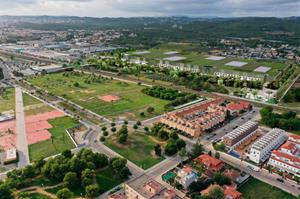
x: 254, y: 189
x: 89, y: 94
x: 194, y: 57
x: 7, y: 100
x: 59, y: 142
x: 139, y: 149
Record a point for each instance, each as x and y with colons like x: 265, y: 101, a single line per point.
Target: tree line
x: 71, y: 170
x: 287, y: 120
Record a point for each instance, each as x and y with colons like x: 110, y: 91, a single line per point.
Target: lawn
x: 28, y: 100
x: 61, y: 140
x: 7, y: 100
x: 131, y: 104
x: 105, y: 179
x: 138, y: 149
x: 33, y: 106
x: 254, y: 189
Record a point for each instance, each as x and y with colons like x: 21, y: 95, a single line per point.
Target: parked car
x: 280, y: 180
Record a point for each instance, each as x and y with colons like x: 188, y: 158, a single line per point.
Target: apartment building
x: 239, y: 133
x: 287, y: 157
x: 145, y: 187
x: 196, y: 119
x: 261, y: 149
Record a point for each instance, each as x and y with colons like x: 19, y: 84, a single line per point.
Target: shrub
x: 150, y: 109
x: 135, y: 126
x: 64, y: 193
x: 92, y: 191
x: 105, y: 133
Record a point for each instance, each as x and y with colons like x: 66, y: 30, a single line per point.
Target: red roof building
x: 195, y: 120
x: 287, y: 157
x: 238, y: 107
x: 231, y: 193
x: 232, y: 174
x: 211, y: 163
x: 117, y: 196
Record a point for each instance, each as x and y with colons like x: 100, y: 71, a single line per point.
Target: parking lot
x: 216, y: 135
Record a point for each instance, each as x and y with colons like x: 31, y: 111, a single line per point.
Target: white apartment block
x: 261, y: 150
x: 287, y: 157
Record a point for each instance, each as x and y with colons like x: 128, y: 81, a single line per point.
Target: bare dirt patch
x: 109, y: 98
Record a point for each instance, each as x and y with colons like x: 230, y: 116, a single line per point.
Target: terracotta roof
x: 231, y: 192
x: 201, y: 106
x: 155, y: 186
x: 232, y: 174
x: 287, y: 156
x: 117, y: 196
x: 294, y: 137
x: 289, y: 146
x: 187, y: 169
x: 170, y: 193
x: 238, y: 106
x: 207, y: 159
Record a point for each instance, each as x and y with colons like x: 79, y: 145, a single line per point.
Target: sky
x: 135, y: 8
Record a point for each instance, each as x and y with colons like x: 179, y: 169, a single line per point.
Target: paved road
x: 101, y: 148
x: 22, y: 144
x: 6, y: 73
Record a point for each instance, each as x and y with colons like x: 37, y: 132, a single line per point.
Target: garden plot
x: 236, y: 63
x: 141, y: 52
x: 171, y: 53
x: 215, y: 58
x: 262, y: 69
x: 175, y: 58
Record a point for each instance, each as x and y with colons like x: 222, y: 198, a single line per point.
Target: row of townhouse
x: 239, y: 133
x: 197, y: 119
x: 261, y: 149
x: 287, y: 157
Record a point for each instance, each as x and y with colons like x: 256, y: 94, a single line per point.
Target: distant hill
x: 151, y: 30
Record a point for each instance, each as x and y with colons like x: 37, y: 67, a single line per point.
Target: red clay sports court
x: 37, y: 127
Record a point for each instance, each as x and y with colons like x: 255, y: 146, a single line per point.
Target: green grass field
x: 33, y: 106
x: 254, y: 189
x: 7, y: 100
x: 132, y: 102
x: 138, y: 149
x: 29, y: 100
x: 194, y: 57
x: 61, y: 140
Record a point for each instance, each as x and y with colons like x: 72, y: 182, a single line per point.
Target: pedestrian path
x: 22, y: 144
